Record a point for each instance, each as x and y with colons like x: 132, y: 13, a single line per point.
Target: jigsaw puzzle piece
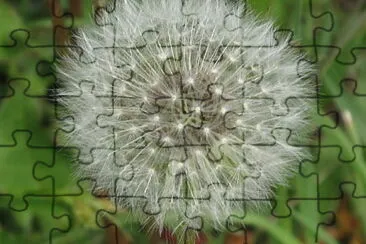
x: 283, y: 195
x: 231, y: 26
x: 349, y: 213
x: 290, y: 206
x: 111, y: 219
x: 345, y: 46
x: 174, y: 200
x: 98, y: 62
x: 286, y: 213
x: 312, y: 224
x: 28, y: 112
x: 39, y: 222
x: 36, y: 46
x: 107, y: 172
x: 280, y: 151
x: 102, y: 137
x: 37, y: 39
x: 256, y: 121
x: 59, y: 172
x: 133, y: 119
x: 62, y: 22
x: 331, y: 165
x: 302, y: 135
x: 17, y: 159
x: 189, y: 219
x: 16, y: 22
x: 123, y: 34
x: 349, y: 103
x: 94, y: 214
x: 314, y: 221
x: 33, y: 68
x: 334, y: 72
x: 300, y: 23
x: 262, y: 80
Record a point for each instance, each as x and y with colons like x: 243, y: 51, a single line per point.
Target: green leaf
x: 276, y: 231
x: 308, y: 223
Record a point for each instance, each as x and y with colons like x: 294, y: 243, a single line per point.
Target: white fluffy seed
x: 163, y: 67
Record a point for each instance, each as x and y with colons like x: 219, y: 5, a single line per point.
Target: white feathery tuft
x: 194, y: 94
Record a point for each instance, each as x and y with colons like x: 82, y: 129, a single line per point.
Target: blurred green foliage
x: 26, y: 156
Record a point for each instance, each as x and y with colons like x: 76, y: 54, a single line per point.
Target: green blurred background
x: 41, y: 202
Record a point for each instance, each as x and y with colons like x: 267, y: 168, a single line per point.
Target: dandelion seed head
x: 182, y: 105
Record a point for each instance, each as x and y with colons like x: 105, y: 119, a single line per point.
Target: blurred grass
x: 298, y: 214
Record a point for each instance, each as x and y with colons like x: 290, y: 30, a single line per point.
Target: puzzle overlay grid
x: 43, y: 174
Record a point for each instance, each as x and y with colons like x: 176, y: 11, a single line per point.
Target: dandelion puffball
x: 179, y: 108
